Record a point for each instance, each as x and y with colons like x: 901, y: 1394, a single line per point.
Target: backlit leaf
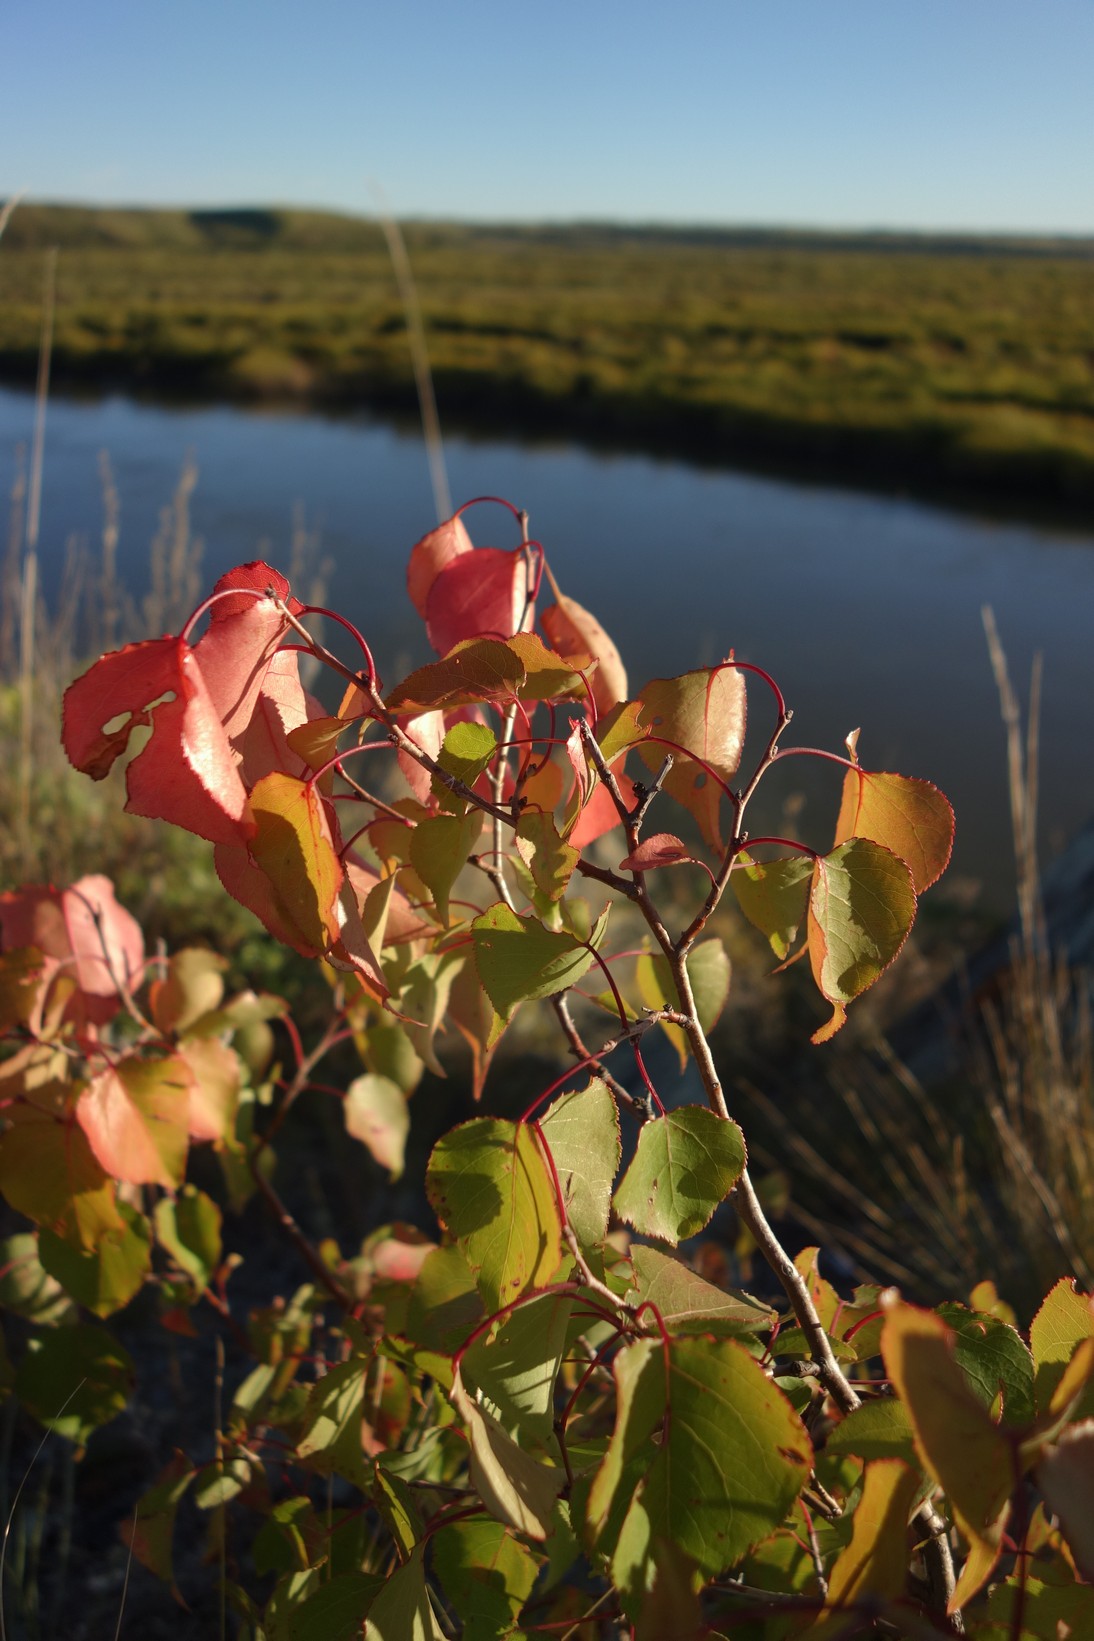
x: 193, y: 986
x: 136, y: 1117
x: 701, y: 713
x: 731, y: 1459
x: 688, y: 1304
x: 774, y: 896
x: 293, y: 847
x: 861, y: 906
x: 582, y: 1130
x: 490, y: 1187
x: 332, y: 1439
x: 188, y: 1226
x: 480, y: 595
x: 439, y: 849
x: 481, y: 670
x: 996, y: 1363
x: 663, y: 849
x: 518, y: 959
x: 574, y: 633
x: 105, y: 1278
x: 402, y: 1611
x: 216, y: 1078
x: 550, y: 861
x: 875, y: 1563
x: 879, y: 1429
x: 49, y: 1172
x: 685, y: 1164
x: 429, y: 556
x: 1065, y: 1318
x: 547, y: 677
x: 516, y: 1488
x: 187, y: 773
x: 909, y: 817
x: 376, y: 1114
x: 708, y: 970
x: 484, y: 1571
x: 956, y: 1440
x: 514, y: 1372
x: 465, y: 753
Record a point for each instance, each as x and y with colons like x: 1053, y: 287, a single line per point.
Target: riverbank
x: 958, y: 369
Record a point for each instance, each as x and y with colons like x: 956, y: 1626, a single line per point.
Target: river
x: 866, y: 608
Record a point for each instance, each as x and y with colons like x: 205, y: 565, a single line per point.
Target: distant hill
x: 79, y: 227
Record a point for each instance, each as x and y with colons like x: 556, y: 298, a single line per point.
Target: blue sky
x: 950, y: 114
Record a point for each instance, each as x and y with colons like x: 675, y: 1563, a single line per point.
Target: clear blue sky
x: 949, y: 114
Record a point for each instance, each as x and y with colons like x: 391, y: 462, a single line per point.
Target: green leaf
x: 703, y: 713
x: 483, y: 669
x: 995, y: 1361
x: 909, y: 817
x: 514, y: 1487
x: 331, y: 1440
x: 194, y: 986
x: 75, y: 1379
x: 861, y: 907
x: 519, y: 960
x: 484, y: 1572
x: 188, y: 1226
x: 398, y: 1506
x: 27, y: 1288
x: 731, y: 1459
x: 106, y: 1279
x: 336, y: 1610
x: 445, y: 1305
x: 581, y: 1129
x: 489, y: 1185
x: 774, y: 896
x: 150, y: 1531
x: 879, y: 1429
x: 439, y: 848
x: 402, y: 1611
x: 376, y: 1114
x: 49, y: 1172
x: 465, y: 752
x: 426, y: 988
x: 1065, y: 1318
x: 685, y: 1164
x: 514, y: 1372
x: 550, y: 861
x: 688, y: 1304
x: 709, y: 972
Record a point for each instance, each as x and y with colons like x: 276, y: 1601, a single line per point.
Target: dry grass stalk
x: 28, y: 609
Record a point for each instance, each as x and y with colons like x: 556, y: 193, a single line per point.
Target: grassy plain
x: 926, y: 363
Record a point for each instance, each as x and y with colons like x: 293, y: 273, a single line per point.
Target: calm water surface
x: 867, y: 609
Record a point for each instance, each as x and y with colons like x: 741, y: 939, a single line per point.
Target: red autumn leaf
x: 427, y: 731
x: 663, y: 849
x: 575, y: 633
x: 479, y: 595
x: 187, y: 773
x: 430, y: 555
x: 282, y: 710
x: 240, y: 642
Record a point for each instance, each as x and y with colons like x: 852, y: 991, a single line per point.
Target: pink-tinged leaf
x: 399, y: 921
x: 480, y: 595
x: 107, y: 943
x: 376, y: 1114
x: 82, y: 932
x: 480, y: 670
x: 282, y: 712
x: 426, y: 730
x: 352, y: 950
x: 600, y: 814
x: 135, y: 1116
x: 240, y: 642
x: 574, y: 633
x: 214, y: 1091
x: 701, y: 713
x: 293, y: 846
x: 48, y: 1170
x: 910, y: 817
x: 429, y: 557
x: 861, y: 906
x: 187, y: 773
x: 663, y: 849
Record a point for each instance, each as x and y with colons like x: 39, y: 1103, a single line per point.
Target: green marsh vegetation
x: 935, y: 364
